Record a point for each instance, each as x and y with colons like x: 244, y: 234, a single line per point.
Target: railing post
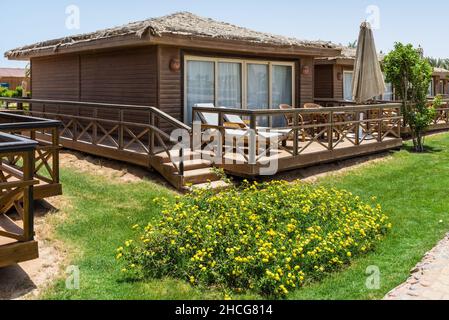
x: 152, y: 123
x: 55, y: 157
x: 380, y: 124
x: 181, y: 157
x: 95, y: 127
x: 330, y: 131
x: 221, y: 141
x: 28, y: 196
x: 252, y: 141
x: 121, y: 138
x: 295, y: 132
x: 357, y: 128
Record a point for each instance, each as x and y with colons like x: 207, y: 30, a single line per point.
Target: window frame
x: 345, y: 72
x: 244, y: 77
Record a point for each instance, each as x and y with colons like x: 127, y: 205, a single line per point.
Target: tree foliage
x: 411, y: 75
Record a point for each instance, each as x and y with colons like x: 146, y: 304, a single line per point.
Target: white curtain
x: 258, y: 89
x: 347, y: 86
x: 281, y: 91
x: 200, y: 84
x: 230, y: 85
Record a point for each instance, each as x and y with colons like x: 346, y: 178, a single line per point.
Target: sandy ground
x: 27, y: 280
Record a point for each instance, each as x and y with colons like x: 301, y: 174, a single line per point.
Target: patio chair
x: 290, y: 119
x: 211, y: 119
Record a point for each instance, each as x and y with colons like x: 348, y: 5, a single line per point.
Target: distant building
x: 12, y: 77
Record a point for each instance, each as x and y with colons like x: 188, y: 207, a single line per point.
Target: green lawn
x: 412, y: 189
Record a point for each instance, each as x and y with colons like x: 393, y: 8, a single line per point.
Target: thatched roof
x: 442, y: 73
x: 347, y: 55
x: 183, y: 24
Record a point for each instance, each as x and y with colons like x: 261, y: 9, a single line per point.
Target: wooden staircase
x: 198, y: 173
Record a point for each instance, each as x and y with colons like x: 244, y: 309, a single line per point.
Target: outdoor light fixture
x: 339, y: 76
x: 306, y: 70
x: 175, y: 65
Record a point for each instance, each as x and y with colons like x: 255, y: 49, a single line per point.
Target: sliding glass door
x: 239, y: 84
x: 282, y: 92
x: 258, y: 90
x: 200, y: 85
x: 230, y: 85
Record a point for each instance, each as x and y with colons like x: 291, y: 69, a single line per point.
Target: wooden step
x: 189, y: 165
x: 199, y: 176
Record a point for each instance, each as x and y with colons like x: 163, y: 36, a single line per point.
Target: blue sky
x: 418, y: 22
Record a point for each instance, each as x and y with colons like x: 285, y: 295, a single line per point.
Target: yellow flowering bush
x: 269, y: 238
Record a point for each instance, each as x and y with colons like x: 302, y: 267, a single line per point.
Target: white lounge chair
x: 211, y: 119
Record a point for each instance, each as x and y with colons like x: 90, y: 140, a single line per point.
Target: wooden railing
x: 45, y: 133
x: 122, y: 132
x: 18, y: 192
x: 325, y: 127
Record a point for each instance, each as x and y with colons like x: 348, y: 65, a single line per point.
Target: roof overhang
x: 174, y: 40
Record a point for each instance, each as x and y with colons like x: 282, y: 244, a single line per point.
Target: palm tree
x: 352, y: 45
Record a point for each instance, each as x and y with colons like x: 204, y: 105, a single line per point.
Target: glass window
x: 200, y: 84
x: 230, y: 85
x: 347, y: 85
x: 239, y: 84
x: 258, y: 89
x: 282, y: 92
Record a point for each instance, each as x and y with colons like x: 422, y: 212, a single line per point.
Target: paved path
x: 429, y: 279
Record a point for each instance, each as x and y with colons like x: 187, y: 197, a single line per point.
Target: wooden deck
x: 314, y: 136
x: 314, y: 155
x: 29, y: 170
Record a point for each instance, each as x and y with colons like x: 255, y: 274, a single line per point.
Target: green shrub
x: 269, y: 238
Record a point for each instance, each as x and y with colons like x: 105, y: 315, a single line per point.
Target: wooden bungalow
x: 440, y: 82
x: 119, y: 92
x: 334, y: 76
x: 12, y: 77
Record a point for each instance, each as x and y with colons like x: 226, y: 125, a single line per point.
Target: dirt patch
x: 27, y: 280
x: 110, y: 169
x: 312, y: 174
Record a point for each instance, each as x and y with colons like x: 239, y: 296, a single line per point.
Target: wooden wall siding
x: 338, y: 84
x: 122, y: 77
x: 55, y: 78
x: 170, y: 83
x: 324, y: 81
x: 306, y: 82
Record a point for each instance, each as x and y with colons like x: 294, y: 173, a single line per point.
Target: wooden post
x: 295, y: 132
x: 330, y: 131
x: 181, y: 157
x: 95, y: 127
x: 380, y: 124
x: 75, y: 126
x: 152, y: 123
x: 357, y: 128
x: 28, y: 196
x: 121, y: 138
x: 252, y: 141
x: 55, y: 157
x: 221, y: 141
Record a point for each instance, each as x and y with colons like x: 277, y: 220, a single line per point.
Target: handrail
x: 87, y: 127
x: 381, y: 121
x: 274, y: 112
x: 158, y: 112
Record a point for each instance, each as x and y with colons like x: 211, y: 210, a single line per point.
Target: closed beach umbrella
x: 368, y: 78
